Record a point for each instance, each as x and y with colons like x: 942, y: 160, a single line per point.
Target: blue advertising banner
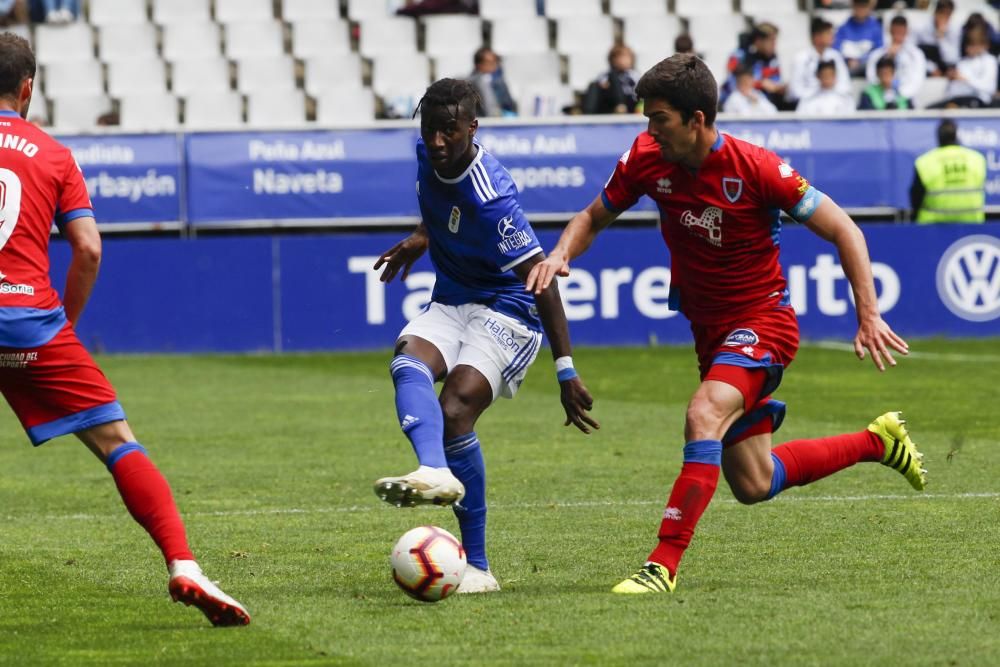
x: 131, y: 178
x: 369, y: 174
x: 320, y: 292
x: 301, y: 175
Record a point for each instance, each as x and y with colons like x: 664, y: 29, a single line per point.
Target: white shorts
x: 498, y: 346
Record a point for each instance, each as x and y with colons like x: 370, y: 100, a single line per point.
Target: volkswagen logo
x: 968, y: 278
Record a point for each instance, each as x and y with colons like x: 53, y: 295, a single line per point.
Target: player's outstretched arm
x: 874, y: 334
x: 576, y: 400
x: 403, y: 255
x: 581, y: 231
x: 85, y: 244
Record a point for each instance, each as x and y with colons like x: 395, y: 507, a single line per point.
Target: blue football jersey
x: 478, y: 233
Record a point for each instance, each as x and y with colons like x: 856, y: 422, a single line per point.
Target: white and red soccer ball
x: 428, y: 563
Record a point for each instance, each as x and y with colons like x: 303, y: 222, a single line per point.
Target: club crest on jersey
x: 739, y: 337
x: 454, y: 219
x: 732, y: 188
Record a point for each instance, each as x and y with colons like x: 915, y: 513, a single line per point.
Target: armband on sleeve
x: 810, y: 201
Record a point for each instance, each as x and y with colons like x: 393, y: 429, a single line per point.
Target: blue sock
x: 465, y: 458
x: 777, y: 477
x: 418, y: 409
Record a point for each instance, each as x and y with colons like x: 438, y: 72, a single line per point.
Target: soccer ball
x: 428, y: 563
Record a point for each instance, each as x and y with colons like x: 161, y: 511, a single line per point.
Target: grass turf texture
x: 272, y: 458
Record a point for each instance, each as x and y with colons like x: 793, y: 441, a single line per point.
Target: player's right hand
x: 401, y: 256
x: 542, y: 273
x: 577, y: 402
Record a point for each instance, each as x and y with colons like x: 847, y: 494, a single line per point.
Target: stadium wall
x: 365, y: 176
x: 291, y: 293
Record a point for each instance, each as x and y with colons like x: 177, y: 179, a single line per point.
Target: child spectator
x: 746, y: 100
x: 883, y: 94
x: 614, y: 90
x: 803, y: 81
x: 909, y: 60
x: 826, y: 101
x: 762, y: 60
x: 940, y: 39
x: 859, y: 35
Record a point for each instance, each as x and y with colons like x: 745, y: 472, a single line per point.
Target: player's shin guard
x: 465, y: 458
x: 802, y: 462
x: 147, y: 496
x: 418, y: 409
x: 689, y: 497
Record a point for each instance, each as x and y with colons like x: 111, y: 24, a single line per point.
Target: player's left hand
x: 875, y: 335
x: 577, y: 402
x: 401, y: 256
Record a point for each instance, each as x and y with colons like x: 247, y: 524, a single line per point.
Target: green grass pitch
x: 272, y: 457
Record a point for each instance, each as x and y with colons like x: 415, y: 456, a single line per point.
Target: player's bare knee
x: 458, y: 413
x: 702, y: 420
x: 750, y: 490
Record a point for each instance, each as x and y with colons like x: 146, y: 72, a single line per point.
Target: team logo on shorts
x: 732, y: 188
x: 740, y: 337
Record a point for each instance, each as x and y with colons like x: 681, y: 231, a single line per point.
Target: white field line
x: 914, y: 354
x: 582, y: 504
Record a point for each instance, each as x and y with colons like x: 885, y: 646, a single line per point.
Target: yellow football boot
x: 651, y: 578
x: 900, y: 452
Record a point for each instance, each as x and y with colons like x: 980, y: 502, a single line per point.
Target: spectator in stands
x: 940, y: 38
x: 973, y: 81
x: 417, y: 8
x: 761, y: 59
x: 13, y: 13
x: 859, y: 35
x: 684, y: 44
x: 976, y: 19
x: 746, y: 100
x: 883, y: 94
x: 803, y: 81
x: 487, y: 77
x: 948, y: 181
x: 614, y: 90
x: 60, y: 11
x: 827, y: 100
x: 910, y: 63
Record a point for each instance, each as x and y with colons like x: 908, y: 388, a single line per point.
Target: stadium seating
x: 137, y: 76
x: 181, y: 11
x: 267, y: 110
x: 127, y: 40
x: 326, y: 71
x: 358, y: 48
x: 309, y: 10
x: 75, y: 77
x: 149, y: 112
x: 116, y: 12
x: 213, y: 109
x: 202, y: 75
x: 339, y: 106
x: 183, y: 41
x: 259, y: 74
x: 500, y: 9
x: 74, y: 113
x: 320, y: 36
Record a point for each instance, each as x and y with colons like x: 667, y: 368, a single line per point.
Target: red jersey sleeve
x: 781, y: 186
x: 623, y: 189
x: 74, y: 200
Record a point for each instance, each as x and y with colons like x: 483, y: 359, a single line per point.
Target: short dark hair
x: 943, y: 5
x: 684, y: 82
x: 451, y: 92
x: 825, y: 64
x: 899, y: 19
x: 763, y: 31
x: 947, y: 132
x: 885, y: 61
x: 818, y: 25
x: 742, y: 70
x: 17, y: 63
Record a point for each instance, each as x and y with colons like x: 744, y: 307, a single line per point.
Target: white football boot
x: 477, y: 581
x: 188, y: 584
x: 423, y: 486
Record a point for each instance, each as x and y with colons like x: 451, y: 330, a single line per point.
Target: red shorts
x: 56, y: 389
x: 751, y: 355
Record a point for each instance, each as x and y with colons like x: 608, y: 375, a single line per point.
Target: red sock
x: 806, y: 461
x: 689, y: 497
x: 147, y: 496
